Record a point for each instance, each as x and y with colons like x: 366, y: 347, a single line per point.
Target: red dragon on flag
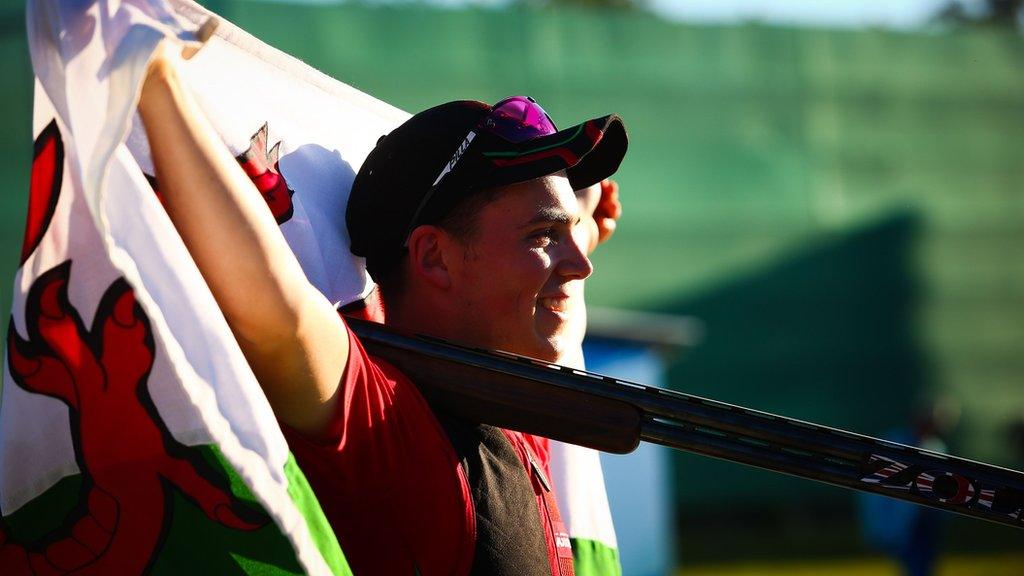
x: 101, y: 374
x: 128, y: 412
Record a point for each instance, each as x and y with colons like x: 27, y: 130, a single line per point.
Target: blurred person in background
x: 910, y: 533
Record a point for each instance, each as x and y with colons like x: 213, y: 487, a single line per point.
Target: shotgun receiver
x: 613, y: 415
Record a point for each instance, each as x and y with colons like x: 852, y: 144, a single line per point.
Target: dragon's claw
x: 68, y: 554
x: 91, y: 535
x: 21, y: 364
x: 124, y: 311
x: 103, y: 509
x: 53, y: 299
x: 124, y: 328
x: 15, y: 558
x: 36, y: 372
x: 217, y: 502
x: 41, y: 566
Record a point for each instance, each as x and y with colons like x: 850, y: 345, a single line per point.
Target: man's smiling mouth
x: 554, y: 303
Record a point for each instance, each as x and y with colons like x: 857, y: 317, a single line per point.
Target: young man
x: 468, y: 221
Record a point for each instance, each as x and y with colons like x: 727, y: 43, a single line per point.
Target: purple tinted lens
x: 518, y: 119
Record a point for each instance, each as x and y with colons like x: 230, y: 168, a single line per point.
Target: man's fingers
x: 605, y: 228
x: 609, y: 205
x: 608, y: 210
x: 204, y: 33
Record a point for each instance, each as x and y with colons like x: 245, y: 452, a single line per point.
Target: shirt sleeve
x: 387, y: 477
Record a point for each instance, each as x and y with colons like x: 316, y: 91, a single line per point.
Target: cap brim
x: 588, y: 152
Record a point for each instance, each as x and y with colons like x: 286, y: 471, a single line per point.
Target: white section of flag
x: 325, y: 129
x: 579, y: 482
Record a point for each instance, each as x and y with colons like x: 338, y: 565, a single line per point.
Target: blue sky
x: 827, y: 13
x: 814, y: 13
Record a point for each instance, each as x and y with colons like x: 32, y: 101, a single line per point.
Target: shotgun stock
x: 613, y: 415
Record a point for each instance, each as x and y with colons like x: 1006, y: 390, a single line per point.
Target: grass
x: 1007, y: 564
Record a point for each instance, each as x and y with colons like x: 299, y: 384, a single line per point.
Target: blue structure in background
x: 638, y: 484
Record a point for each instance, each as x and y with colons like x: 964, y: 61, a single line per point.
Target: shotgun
x: 613, y: 415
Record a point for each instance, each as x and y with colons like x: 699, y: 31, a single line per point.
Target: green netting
x: 841, y: 208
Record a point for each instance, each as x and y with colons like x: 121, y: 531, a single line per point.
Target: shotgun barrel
x: 614, y: 415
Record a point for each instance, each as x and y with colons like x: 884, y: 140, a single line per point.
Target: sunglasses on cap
x: 515, y: 120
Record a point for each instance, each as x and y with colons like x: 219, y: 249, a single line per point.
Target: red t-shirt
x: 397, y: 492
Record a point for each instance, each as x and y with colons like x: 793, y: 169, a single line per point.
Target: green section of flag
x: 319, y: 529
x: 194, y: 543
x: 592, y: 558
x: 33, y: 521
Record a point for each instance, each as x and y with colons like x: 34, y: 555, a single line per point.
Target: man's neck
x: 413, y: 312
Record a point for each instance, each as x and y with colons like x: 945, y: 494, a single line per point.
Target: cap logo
x: 458, y: 155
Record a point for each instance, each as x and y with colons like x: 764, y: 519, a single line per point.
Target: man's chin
x: 552, y: 348
x: 543, y: 344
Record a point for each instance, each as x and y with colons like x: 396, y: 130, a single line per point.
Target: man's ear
x: 430, y: 255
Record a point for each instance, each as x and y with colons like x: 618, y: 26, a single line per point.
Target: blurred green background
x: 841, y: 209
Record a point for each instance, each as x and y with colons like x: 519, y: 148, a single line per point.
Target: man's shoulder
x: 374, y: 366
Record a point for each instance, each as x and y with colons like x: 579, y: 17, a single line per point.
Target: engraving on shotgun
x: 942, y: 486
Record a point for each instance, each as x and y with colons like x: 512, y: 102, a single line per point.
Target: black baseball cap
x: 421, y: 170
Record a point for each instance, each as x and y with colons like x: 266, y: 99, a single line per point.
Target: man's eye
x: 545, y: 236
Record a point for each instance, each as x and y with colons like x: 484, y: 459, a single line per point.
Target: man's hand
x: 608, y: 210
x: 599, y: 210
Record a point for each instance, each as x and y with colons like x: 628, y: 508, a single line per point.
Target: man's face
x: 519, y: 282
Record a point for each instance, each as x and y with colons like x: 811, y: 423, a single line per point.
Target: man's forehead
x: 549, y: 198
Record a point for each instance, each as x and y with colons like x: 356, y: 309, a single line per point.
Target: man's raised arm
x: 290, y: 334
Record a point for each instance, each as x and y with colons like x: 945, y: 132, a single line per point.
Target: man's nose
x: 575, y: 265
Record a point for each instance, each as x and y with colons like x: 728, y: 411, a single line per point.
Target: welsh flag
x: 133, y: 435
